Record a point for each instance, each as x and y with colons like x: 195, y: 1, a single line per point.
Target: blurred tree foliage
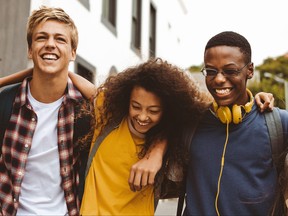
x: 271, y: 86
x: 195, y: 68
x: 276, y: 67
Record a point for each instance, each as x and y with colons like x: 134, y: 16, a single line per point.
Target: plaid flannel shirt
x: 17, y: 143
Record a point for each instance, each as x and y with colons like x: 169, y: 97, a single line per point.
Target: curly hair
x: 230, y: 38
x: 182, y: 101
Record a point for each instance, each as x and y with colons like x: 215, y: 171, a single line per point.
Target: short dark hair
x: 233, y: 39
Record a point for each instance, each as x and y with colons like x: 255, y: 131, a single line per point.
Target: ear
x: 29, y: 53
x: 73, y: 56
x: 250, y: 72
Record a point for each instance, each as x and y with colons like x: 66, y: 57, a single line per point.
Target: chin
x: 143, y: 131
x: 223, y: 103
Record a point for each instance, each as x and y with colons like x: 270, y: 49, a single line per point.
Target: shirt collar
x: 71, y: 93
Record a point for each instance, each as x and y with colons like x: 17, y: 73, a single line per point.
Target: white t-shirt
x: 41, y: 192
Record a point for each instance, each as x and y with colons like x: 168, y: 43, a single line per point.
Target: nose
x: 50, y: 43
x: 220, y: 77
x: 143, y: 116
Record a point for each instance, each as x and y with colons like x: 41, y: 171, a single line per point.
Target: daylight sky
x: 263, y: 22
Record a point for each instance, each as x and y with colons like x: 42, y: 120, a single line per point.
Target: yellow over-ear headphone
x: 226, y: 116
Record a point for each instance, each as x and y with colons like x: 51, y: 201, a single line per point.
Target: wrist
x: 157, y: 149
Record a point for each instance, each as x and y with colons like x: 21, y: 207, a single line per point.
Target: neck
x: 133, y: 131
x: 48, y: 89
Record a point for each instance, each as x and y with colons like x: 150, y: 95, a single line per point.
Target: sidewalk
x: 166, y: 207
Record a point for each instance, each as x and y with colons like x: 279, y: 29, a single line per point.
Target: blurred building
x: 113, y: 34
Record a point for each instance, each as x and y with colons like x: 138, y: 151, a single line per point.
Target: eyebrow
x: 45, y: 33
x: 226, y: 65
x: 156, y: 106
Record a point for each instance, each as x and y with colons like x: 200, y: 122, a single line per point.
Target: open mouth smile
x: 142, y: 123
x: 223, y: 91
x: 49, y: 57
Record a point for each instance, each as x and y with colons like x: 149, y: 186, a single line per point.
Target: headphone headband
x: 248, y: 106
x: 225, y: 115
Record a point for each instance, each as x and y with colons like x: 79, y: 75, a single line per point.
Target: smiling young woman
x: 152, y: 102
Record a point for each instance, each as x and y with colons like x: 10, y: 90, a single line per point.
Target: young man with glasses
x: 230, y: 170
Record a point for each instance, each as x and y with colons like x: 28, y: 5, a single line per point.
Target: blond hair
x: 49, y: 13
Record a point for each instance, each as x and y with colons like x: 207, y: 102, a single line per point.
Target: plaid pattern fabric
x: 17, y: 143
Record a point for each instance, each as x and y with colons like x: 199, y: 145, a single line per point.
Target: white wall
x: 102, y: 49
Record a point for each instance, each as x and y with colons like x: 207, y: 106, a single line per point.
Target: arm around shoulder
x: 16, y: 77
x: 87, y: 88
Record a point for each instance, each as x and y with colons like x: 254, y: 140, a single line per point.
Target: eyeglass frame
x: 204, y: 72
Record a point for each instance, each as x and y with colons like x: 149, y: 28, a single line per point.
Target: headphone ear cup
x: 224, y: 114
x: 236, y: 114
x: 215, y: 106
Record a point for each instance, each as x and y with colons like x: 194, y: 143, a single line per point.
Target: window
x: 85, y: 69
x: 152, y: 32
x: 109, y: 14
x: 113, y: 71
x: 84, y: 72
x: 136, y: 25
x: 85, y: 3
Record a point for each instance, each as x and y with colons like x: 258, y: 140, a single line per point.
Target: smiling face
x: 227, y: 90
x: 145, y: 109
x: 51, y: 49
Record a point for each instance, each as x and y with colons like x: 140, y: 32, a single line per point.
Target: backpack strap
x: 276, y: 135
x: 107, y: 129
x: 7, y: 97
x: 278, y: 146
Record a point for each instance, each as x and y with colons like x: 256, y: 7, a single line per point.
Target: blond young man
x: 38, y: 167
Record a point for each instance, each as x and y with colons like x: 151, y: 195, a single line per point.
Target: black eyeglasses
x: 210, y: 72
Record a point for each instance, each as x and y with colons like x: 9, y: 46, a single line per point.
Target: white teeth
x: 141, y: 123
x: 49, y: 57
x: 222, y: 91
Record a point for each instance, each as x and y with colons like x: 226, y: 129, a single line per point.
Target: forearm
x: 87, y: 88
x: 16, y: 77
x: 158, y: 149
x: 144, y: 171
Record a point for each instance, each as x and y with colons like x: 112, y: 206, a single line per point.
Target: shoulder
x: 10, y: 87
x: 283, y: 116
x: 10, y: 90
x: 283, y: 113
x: 72, y: 92
x: 277, y: 111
